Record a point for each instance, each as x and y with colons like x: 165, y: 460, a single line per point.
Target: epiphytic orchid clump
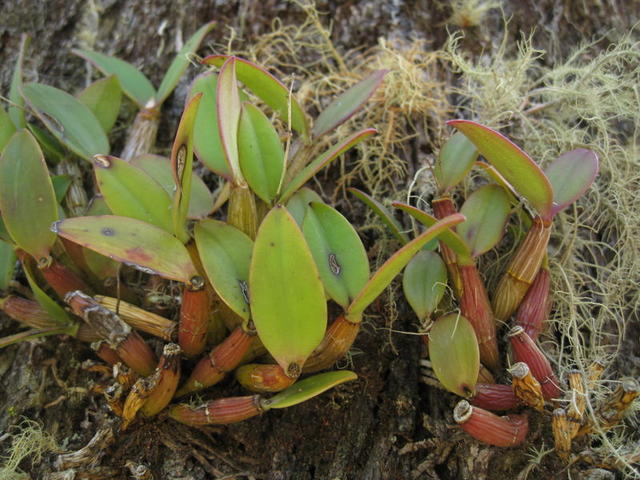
x: 178, y: 287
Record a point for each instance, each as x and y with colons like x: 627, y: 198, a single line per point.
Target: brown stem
x: 443, y: 207
x: 263, y: 378
x: 507, y: 431
x: 194, y: 320
x: 217, y: 412
x: 142, y: 135
x: 335, y: 344
x: 493, y: 396
x: 535, y: 306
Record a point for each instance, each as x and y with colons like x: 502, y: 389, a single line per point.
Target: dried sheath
x: 535, y: 306
x: 142, y: 135
x: 521, y: 270
x: 561, y: 427
x: 507, y: 431
x: 28, y: 312
x: 194, y: 320
x: 139, y: 318
x: 168, y: 373
x: 263, y: 378
x: 526, y: 387
x: 335, y: 344
x: 217, y: 412
x: 525, y: 350
x: 492, y: 396
x: 62, y: 279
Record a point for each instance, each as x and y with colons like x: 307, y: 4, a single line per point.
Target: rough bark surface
x: 385, y: 426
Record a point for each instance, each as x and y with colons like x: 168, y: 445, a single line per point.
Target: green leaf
x: 102, y: 266
x: 7, y: 128
x: 16, y: 110
x: 7, y: 264
x: 182, y: 167
x: 159, y: 168
x: 51, y: 147
x: 298, y: 203
x: 448, y: 237
x: 225, y: 253
x: 287, y: 298
x: 130, y: 192
x: 487, y: 211
x: 383, y: 214
x: 454, y: 161
x: 228, y: 105
x: 513, y: 163
x: 385, y: 274
x: 67, y: 119
x: 338, y: 252
x: 35, y: 333
x: 269, y: 89
x: 206, y: 136
x: 60, y: 184
x: 260, y: 153
x: 27, y: 199
x: 180, y: 63
x: 4, y: 235
x: 133, y: 82
x: 323, y: 160
x: 347, y: 103
x: 103, y: 98
x: 571, y: 174
x: 308, y: 388
x: 132, y: 242
x: 454, y: 354
x: 56, y: 312
x: 424, y: 282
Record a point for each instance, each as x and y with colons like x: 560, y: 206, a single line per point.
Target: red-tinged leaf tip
x: 512, y: 162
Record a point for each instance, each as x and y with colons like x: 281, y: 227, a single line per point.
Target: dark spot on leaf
x: 108, y: 232
x: 272, y: 244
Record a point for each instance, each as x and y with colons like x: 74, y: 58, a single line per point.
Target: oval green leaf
x: 385, y: 274
x: 7, y: 128
x: 27, y: 198
x: 71, y: 122
x: 448, y: 237
x: 182, y: 167
x: 61, y: 184
x: 512, y: 162
x: 288, y: 304
x: 180, y: 63
x: 571, y: 174
x: 101, y: 266
x: 260, y: 153
x: 159, y: 168
x: 103, y: 98
x: 133, y: 82
x: 383, y: 214
x: 424, y: 282
x: 454, y: 354
x: 318, y: 163
x: 347, y: 103
x: 455, y: 160
x: 308, y: 388
x: 51, y: 147
x: 338, y: 252
x: 16, y: 109
x: 228, y: 105
x: 130, y: 192
x: 269, y: 89
x: 133, y: 242
x: 487, y: 211
x: 225, y: 253
x: 7, y: 264
x: 298, y: 203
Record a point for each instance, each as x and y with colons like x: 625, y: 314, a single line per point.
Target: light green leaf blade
x: 383, y: 214
x: 269, y: 89
x: 308, y: 388
x: 318, y: 163
x: 260, y: 153
x: 347, y: 103
x: 454, y: 354
x: 102, y: 266
x: 135, y: 243
x: 7, y: 264
x: 487, y: 211
x: 571, y: 174
x: 27, y: 212
x: 51, y: 147
x: 58, y: 313
x: 133, y: 82
x: 35, y: 333
x: 103, y: 98
x: 385, y: 274
x: 68, y: 120
x: 424, y: 282
x: 60, y: 184
x: 159, y: 168
x: 298, y: 203
x: 512, y: 162
x: 449, y: 237
x: 228, y: 105
x: 225, y: 253
x: 180, y: 63
x: 338, y: 252
x: 455, y: 160
x: 130, y: 192
x: 287, y: 297
x: 182, y: 167
x: 16, y: 110
x: 7, y: 128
